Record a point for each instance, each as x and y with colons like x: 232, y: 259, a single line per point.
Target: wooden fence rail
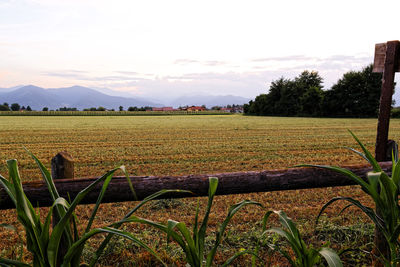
x: 229, y: 183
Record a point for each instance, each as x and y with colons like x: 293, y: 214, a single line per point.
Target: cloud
x: 186, y: 61
x: 335, y: 63
x: 247, y: 83
x: 285, y: 58
x: 71, y: 74
x: 87, y: 76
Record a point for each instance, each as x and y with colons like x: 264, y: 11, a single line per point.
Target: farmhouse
x: 196, y: 108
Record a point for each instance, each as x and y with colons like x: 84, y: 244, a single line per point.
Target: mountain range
x: 82, y: 97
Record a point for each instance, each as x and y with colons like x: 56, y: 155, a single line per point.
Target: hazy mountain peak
x: 82, y: 97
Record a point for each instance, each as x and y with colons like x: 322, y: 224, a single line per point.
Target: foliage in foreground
x: 305, y: 256
x: 193, y: 244
x: 384, y: 191
x: 45, y: 244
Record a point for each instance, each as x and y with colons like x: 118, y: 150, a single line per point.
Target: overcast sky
x: 169, y: 48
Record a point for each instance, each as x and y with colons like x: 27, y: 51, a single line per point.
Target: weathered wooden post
x: 62, y: 167
x: 387, y: 61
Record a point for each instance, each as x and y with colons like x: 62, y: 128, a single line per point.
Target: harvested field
x: 172, y: 145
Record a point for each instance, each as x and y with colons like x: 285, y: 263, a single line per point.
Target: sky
x: 164, y: 49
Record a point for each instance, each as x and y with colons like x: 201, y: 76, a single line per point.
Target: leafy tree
x: 101, y: 109
x: 311, y: 101
x: 15, y: 107
x: 286, y: 97
x: 28, y: 108
x: 301, y: 86
x: 133, y: 109
x: 121, y: 108
x: 259, y: 105
x: 45, y: 109
x: 4, y: 107
x: 356, y: 94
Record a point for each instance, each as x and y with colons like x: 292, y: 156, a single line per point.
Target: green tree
x: 15, y: 107
x: 356, y: 94
x: 311, y: 101
x: 28, y: 108
x: 286, y: 97
x: 121, y: 108
x: 4, y: 107
x: 301, y: 86
x: 45, y: 109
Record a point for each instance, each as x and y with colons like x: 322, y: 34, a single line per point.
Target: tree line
x: 14, y: 107
x: 356, y: 94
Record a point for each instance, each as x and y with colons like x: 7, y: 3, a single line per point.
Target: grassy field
x: 172, y: 145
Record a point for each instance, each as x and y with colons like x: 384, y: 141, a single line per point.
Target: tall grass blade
x: 196, y: 224
x: 368, y: 211
x: 232, y: 211
x: 55, y: 237
x: 212, y: 189
x: 349, y: 174
x: 283, y: 253
x: 8, y: 262
x: 156, y: 195
x: 9, y: 188
x: 46, y: 176
x: 75, y: 247
x: 283, y: 233
x: 100, y: 199
x: 368, y: 154
x: 331, y: 257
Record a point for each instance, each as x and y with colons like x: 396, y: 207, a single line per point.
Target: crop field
x: 176, y: 145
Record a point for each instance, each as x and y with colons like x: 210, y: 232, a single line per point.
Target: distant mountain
x: 82, y: 97
x: 9, y: 89
x: 209, y: 100
x: 75, y: 96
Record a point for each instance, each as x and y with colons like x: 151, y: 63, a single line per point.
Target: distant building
x: 196, y: 108
x: 162, y: 109
x: 226, y: 109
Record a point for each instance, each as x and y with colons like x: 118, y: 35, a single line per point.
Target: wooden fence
x: 229, y: 183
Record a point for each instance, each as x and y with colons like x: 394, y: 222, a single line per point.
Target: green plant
x: 193, y: 244
x: 43, y: 243
x: 384, y: 191
x: 304, y: 256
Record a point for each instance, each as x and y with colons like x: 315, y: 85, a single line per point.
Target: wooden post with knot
x: 386, y: 61
x: 62, y: 167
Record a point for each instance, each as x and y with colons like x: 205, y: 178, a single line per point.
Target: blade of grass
x: 75, y: 247
x: 232, y: 211
x: 331, y: 257
x: 368, y: 154
x: 212, y: 189
x: 156, y: 195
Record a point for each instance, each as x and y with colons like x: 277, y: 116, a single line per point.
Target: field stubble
x: 175, y: 145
